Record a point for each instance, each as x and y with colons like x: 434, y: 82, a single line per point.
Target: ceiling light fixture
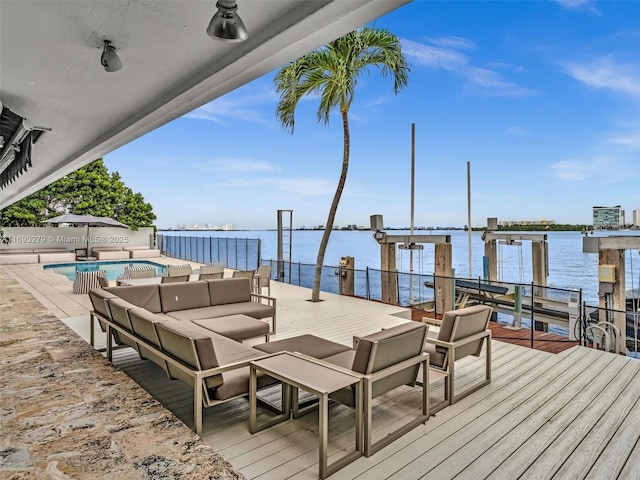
x: 110, y: 59
x: 226, y: 23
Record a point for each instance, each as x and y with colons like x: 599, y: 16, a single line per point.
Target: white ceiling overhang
x: 50, y: 71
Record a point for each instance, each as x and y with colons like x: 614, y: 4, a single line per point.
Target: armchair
x: 263, y: 279
x: 211, y: 271
x: 462, y: 333
x: 385, y: 360
x: 175, y: 279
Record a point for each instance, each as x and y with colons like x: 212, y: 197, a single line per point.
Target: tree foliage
x: 90, y: 190
x: 332, y: 74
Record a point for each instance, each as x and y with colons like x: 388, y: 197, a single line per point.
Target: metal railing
x: 237, y: 253
x: 534, y: 315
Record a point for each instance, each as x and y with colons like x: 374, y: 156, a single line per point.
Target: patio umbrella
x: 88, y: 220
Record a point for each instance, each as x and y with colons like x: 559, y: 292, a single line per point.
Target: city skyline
x: 542, y: 98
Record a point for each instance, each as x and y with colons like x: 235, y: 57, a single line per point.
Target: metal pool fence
x: 237, y: 253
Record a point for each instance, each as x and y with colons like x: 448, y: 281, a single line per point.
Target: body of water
x: 113, y: 268
x: 568, y: 266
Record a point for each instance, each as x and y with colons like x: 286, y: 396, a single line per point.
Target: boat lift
x: 442, y: 264
x: 611, y: 278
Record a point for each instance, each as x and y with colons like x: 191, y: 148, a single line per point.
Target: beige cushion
x: 118, y: 308
x: 97, y: 297
x: 399, y: 338
x: 252, y: 309
x: 145, y: 296
x: 143, y: 324
x: 394, y: 345
x: 470, y: 320
x: 236, y: 327
x: 309, y: 345
x: 183, y: 296
x: 229, y: 290
x: 179, y: 339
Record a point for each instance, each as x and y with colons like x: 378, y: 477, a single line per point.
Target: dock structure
x: 611, y: 280
x: 442, y: 265
x: 570, y: 415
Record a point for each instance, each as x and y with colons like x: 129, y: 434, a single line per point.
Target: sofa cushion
x: 175, y: 340
x: 118, y: 308
x: 195, y: 314
x: 236, y: 382
x: 97, y: 297
x: 235, y: 327
x: 183, y: 296
x: 145, y: 296
x: 364, y: 344
x: 308, y: 344
x: 224, y: 291
x: 252, y: 309
x: 143, y: 324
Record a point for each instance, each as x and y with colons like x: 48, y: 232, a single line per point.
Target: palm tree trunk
x: 315, y: 294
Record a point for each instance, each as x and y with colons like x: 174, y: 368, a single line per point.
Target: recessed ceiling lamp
x: 226, y: 23
x: 110, y: 59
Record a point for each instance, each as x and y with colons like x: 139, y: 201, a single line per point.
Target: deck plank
x: 537, y: 429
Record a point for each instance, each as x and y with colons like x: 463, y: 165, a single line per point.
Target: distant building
x: 636, y: 218
x: 608, y: 217
x: 510, y: 223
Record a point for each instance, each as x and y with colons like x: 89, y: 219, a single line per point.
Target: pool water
x: 113, y: 268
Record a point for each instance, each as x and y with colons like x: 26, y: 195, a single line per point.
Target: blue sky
x: 543, y: 98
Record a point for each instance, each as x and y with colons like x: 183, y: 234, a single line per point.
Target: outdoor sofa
x: 142, y: 252
x: 209, y: 303
x: 35, y: 255
x: 215, y: 365
x: 109, y: 253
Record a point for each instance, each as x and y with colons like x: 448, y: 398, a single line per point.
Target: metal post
x: 469, y: 212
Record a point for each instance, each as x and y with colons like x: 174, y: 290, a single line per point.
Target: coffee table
x: 298, y: 371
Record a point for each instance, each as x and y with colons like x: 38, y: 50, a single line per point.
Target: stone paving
x: 65, y: 412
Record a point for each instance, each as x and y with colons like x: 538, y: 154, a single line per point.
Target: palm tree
x: 332, y: 72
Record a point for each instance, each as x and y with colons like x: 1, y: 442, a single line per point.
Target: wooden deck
x: 570, y: 415
x: 547, y: 342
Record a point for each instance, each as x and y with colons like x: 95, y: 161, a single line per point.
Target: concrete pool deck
x: 65, y: 412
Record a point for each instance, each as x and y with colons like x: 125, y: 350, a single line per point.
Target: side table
x: 320, y: 379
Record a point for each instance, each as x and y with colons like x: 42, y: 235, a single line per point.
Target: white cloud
x: 453, y: 42
x: 297, y: 187
x: 628, y: 141
x: 604, y: 73
x: 235, y: 165
x: 605, y: 169
x: 434, y: 57
x: 479, y: 80
x: 580, y: 5
x: 516, y: 130
x: 243, y: 104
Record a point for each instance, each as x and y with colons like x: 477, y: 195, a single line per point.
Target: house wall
x: 76, y: 237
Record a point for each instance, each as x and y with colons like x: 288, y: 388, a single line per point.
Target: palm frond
x: 332, y: 72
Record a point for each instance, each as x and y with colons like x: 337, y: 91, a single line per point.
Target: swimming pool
x: 113, y: 268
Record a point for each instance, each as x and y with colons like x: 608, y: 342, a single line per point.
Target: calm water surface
x: 568, y: 266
